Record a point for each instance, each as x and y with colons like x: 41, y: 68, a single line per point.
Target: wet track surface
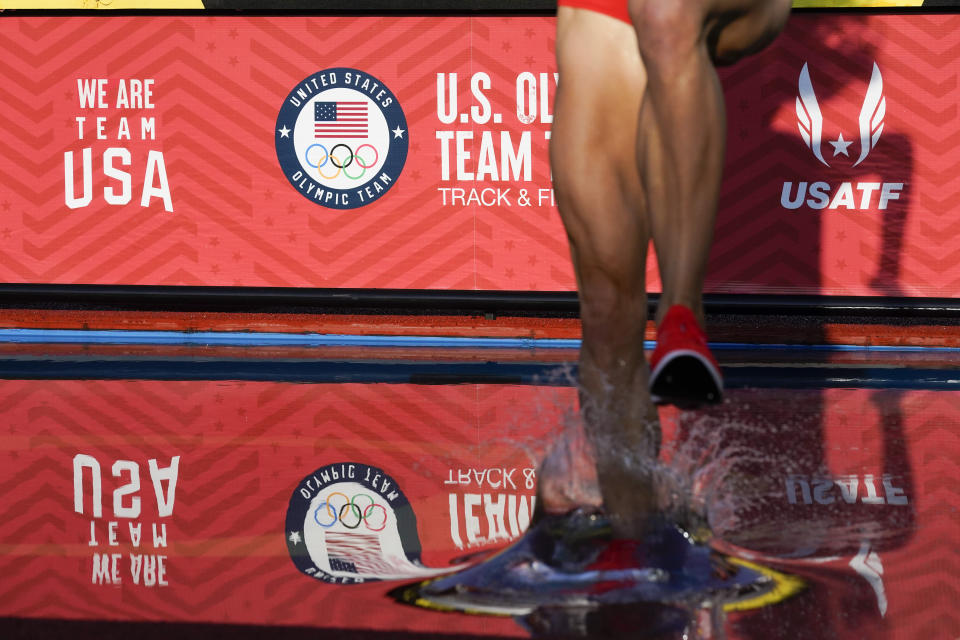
x: 193, y: 485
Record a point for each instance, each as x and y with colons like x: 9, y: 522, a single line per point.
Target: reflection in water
x: 818, y: 483
x: 569, y: 576
x: 780, y: 500
x: 762, y: 470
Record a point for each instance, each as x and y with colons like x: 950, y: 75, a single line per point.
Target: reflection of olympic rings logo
x: 350, y: 514
x: 340, y: 160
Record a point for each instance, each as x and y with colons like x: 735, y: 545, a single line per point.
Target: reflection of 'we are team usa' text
x: 146, y: 569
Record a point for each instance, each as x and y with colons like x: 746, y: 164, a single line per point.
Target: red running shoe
x: 683, y: 371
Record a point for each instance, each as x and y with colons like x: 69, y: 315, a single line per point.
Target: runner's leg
x: 601, y: 203
x: 682, y: 129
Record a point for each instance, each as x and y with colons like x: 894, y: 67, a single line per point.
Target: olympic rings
x: 347, y: 163
x: 362, y: 495
x: 353, y: 507
x: 368, y: 510
x: 339, y: 169
x: 349, y: 514
x: 376, y: 156
x: 341, y: 166
x: 317, y: 519
x: 363, y: 170
x: 306, y: 155
x: 337, y: 493
x: 366, y: 517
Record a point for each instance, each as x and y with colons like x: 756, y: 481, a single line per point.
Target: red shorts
x: 613, y: 8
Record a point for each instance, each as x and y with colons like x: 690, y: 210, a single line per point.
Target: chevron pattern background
x: 903, y: 250
x: 245, y: 446
x: 219, y: 82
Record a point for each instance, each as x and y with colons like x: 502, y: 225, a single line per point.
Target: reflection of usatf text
x: 848, y: 489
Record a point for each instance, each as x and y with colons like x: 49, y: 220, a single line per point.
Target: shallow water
x: 770, y: 479
x: 848, y: 481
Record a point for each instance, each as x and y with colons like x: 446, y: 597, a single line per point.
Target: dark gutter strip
x: 429, y: 373
x: 429, y: 301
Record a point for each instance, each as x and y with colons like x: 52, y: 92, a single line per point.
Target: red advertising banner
x: 209, y: 501
x: 412, y: 153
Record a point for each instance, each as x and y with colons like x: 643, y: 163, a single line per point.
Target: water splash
x: 569, y: 576
x: 722, y: 475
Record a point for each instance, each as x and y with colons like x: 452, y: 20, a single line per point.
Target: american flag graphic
x: 340, y: 119
x: 357, y: 553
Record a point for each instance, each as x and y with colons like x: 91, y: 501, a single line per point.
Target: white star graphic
x: 398, y: 132
x: 840, y: 146
x: 295, y: 537
x: 284, y: 132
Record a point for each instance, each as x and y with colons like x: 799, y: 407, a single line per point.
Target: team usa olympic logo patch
x: 349, y: 523
x: 341, y: 138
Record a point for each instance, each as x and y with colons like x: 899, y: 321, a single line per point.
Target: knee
x: 664, y: 28
x: 613, y: 304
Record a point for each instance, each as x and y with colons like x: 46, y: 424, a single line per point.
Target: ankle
x: 695, y: 305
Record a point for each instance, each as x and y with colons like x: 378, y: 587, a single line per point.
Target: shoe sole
x: 686, y: 379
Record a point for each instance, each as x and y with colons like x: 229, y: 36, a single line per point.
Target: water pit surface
x: 294, y: 488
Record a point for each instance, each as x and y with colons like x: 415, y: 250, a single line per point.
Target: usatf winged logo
x: 810, y: 120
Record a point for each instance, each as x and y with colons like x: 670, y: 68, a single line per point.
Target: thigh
x: 602, y: 80
x: 593, y: 138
